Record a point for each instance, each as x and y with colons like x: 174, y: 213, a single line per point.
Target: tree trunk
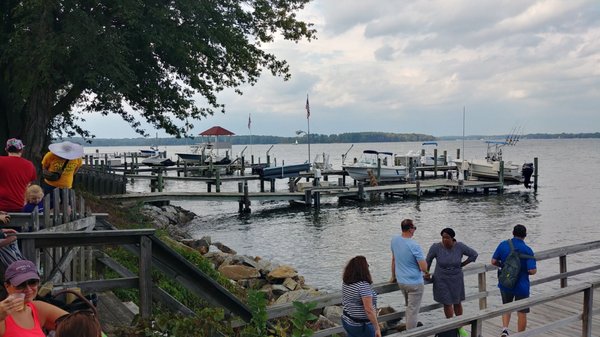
x: 36, y: 124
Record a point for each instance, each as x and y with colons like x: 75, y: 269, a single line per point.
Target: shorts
x: 509, y: 297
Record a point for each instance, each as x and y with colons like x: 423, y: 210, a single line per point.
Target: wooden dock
x: 312, y: 195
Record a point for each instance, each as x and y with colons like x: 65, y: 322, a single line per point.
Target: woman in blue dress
x: 359, y: 318
x: 448, y: 279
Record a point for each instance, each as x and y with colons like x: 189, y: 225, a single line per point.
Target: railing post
x: 562, y: 261
x: 145, y: 277
x: 482, y: 286
x: 587, y: 315
x: 476, y: 328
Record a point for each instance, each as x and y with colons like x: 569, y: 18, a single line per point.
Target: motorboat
x: 158, y: 161
x: 284, y: 171
x: 151, y: 152
x: 208, y: 152
x: 428, y: 158
x: 321, y: 162
x: 489, y: 167
x: 373, y: 163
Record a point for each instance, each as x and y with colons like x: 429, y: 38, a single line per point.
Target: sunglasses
x: 29, y: 283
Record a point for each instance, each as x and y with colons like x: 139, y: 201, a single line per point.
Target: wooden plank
x: 145, y: 277
x: 73, y: 225
x: 103, y: 237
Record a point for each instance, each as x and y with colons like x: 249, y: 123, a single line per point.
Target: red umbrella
x: 217, y: 131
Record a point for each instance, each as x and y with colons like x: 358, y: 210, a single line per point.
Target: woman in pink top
x: 25, y: 318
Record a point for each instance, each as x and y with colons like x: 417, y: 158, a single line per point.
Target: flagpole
x: 308, y: 122
x: 250, y: 129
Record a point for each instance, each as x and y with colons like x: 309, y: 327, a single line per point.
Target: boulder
x: 296, y: 295
x: 290, y: 284
x: 334, y: 313
x: 216, y: 257
x: 278, y: 289
x: 322, y: 323
x: 224, y: 248
x: 236, y: 272
x: 282, y: 272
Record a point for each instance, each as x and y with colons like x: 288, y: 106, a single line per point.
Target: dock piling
x: 535, y: 174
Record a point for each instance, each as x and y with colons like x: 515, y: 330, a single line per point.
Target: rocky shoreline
x: 279, y: 282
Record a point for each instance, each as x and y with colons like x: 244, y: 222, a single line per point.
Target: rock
x: 282, y: 272
x: 278, y: 289
x: 236, y: 272
x: 207, y: 239
x: 290, y: 284
x: 216, y: 257
x: 224, y: 248
x: 248, y: 261
x: 200, y: 245
x: 322, y: 323
x: 389, y: 324
x: 334, y: 313
x: 296, y: 295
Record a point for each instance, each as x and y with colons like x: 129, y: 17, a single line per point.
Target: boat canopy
x: 378, y: 152
x: 430, y: 143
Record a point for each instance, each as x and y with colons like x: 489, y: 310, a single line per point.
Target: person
x: 82, y: 323
x: 63, y: 158
x: 16, y: 173
x: 408, y: 264
x: 34, y: 196
x: 26, y: 317
x: 448, y: 278
x: 4, y: 217
x: 521, y: 289
x: 359, y: 317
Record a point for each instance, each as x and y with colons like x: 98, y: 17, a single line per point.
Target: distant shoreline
x: 355, y: 137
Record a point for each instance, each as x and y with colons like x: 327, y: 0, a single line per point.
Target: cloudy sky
x: 411, y: 66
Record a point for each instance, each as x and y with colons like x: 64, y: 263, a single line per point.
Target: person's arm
x: 393, y: 279
x: 470, y: 253
x: 4, y: 217
x: 7, y: 240
x: 431, y: 254
x: 371, y: 314
x: 532, y: 271
x: 48, y: 314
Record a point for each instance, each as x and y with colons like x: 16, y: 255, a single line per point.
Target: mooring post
x: 361, y: 191
x: 435, y: 157
x: 501, y: 177
x: 418, y: 186
x: 159, y: 180
x: 317, y: 199
x: 482, y: 286
x: 457, y: 154
x: 378, y: 169
x: 242, y: 172
x: 461, y: 184
x: 307, y: 197
x: 246, y: 198
x: 241, y: 202
x: 562, y: 261
x: 535, y: 173
x: 268, y: 160
x: 272, y: 181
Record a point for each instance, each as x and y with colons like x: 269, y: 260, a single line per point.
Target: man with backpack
x: 516, y: 262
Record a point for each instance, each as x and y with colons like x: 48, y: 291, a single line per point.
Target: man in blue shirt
x: 521, y: 289
x: 408, y: 264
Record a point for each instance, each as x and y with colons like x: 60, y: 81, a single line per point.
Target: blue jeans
x: 365, y: 330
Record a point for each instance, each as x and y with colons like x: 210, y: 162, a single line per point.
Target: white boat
x: 489, y: 167
x: 408, y: 158
x: 367, y: 167
x: 321, y: 162
x: 204, y: 151
x: 429, y: 160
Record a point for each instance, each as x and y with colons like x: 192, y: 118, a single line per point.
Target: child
x: 34, y: 195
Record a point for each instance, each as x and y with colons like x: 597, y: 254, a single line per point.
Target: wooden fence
x: 481, y: 271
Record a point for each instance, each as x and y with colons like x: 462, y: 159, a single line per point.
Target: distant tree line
x: 353, y: 137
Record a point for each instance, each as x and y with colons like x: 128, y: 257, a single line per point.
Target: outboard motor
x: 527, y: 171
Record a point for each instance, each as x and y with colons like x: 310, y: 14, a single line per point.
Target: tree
x: 61, y: 59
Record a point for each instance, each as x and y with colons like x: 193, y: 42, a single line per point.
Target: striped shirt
x: 352, y: 295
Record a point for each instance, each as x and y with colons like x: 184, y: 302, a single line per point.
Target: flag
x: 307, y: 108
x: 249, y: 122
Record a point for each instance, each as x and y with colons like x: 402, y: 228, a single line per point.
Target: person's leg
x: 415, y: 295
x: 521, y: 321
x: 448, y: 310
x: 506, y: 320
x: 458, y: 309
x: 506, y: 298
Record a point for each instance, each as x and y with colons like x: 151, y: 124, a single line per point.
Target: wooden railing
x: 481, y: 270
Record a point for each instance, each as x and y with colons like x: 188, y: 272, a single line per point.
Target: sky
x: 414, y: 66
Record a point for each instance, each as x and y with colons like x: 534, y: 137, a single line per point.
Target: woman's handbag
x: 54, y: 176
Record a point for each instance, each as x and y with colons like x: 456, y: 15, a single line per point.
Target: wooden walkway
x: 543, y: 314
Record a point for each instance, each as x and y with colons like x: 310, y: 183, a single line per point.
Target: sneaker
x: 504, y: 333
x: 462, y: 332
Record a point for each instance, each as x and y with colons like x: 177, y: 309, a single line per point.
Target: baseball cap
x: 13, y: 145
x: 21, y: 271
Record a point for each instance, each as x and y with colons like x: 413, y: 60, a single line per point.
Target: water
x: 319, y: 242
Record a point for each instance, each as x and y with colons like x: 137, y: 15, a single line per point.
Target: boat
x: 489, y: 167
x: 158, y: 161
x: 151, y: 152
x: 282, y: 171
x: 208, y: 152
x: 367, y: 166
x: 321, y: 162
x: 428, y: 158
x: 408, y: 158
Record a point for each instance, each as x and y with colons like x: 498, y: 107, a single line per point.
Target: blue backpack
x: 508, y: 276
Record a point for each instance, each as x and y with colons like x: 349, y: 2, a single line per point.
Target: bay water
x: 319, y: 242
